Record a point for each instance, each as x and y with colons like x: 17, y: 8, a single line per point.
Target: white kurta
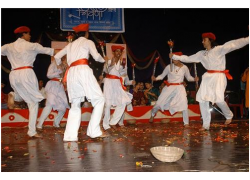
x: 174, y: 97
x: 113, y: 92
x: 213, y: 85
x: 80, y: 80
x: 56, y: 96
x: 24, y: 82
x: 82, y: 83
x: 115, y: 95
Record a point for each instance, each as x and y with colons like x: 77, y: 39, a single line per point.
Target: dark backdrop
x: 146, y: 30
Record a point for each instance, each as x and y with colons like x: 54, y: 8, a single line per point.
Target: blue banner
x: 99, y: 19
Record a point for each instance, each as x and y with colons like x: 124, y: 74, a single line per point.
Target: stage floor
x: 222, y: 149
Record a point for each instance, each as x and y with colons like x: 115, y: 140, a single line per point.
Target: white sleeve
x: 94, y: 53
x: 43, y: 50
x: 60, y: 54
x: 164, y: 73
x: 189, y: 59
x: 188, y: 75
x: 4, y: 50
x: 233, y: 45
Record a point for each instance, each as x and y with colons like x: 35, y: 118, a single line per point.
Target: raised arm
x: 233, y: 45
x: 188, y: 59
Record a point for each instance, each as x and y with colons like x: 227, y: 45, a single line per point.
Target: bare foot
x: 104, y: 135
x: 11, y: 103
x: 151, y: 119
x: 113, y: 127
x: 123, y: 127
x: 228, y: 121
x: 203, y: 129
x: 36, y: 136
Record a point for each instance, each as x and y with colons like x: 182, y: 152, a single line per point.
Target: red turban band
x: 209, y: 35
x: 114, y: 48
x: 22, y: 29
x: 81, y: 27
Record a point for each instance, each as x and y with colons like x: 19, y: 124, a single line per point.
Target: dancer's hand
x: 196, y: 79
x: 133, y: 82
x: 106, y: 58
x: 170, y: 55
x: 101, y: 77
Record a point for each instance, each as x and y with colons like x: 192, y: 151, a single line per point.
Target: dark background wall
x: 146, y: 30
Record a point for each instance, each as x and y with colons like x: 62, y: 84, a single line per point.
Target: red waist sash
x: 24, y: 67
x: 109, y: 76
x: 55, y: 79
x: 226, y: 72
x: 174, y: 84
x: 76, y: 63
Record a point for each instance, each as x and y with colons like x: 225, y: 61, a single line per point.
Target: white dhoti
x: 56, y: 100
x: 25, y: 86
x: 174, y: 99
x: 45, y: 114
x: 117, y: 97
x: 81, y: 82
x: 212, y: 89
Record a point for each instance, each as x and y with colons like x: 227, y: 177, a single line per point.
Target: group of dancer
x: 81, y: 83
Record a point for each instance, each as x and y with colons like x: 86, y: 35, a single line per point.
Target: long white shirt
x: 56, y: 96
x: 174, y: 97
x: 80, y: 80
x: 113, y: 92
x: 24, y: 82
x: 213, y: 85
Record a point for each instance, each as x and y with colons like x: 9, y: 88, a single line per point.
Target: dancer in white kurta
x: 173, y: 96
x: 23, y: 80
x: 56, y: 96
x: 214, y: 81
x: 114, y: 91
x: 82, y: 83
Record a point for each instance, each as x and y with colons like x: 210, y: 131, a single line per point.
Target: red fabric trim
x: 76, y: 63
x: 24, y: 67
x: 109, y: 76
x: 226, y: 72
x: 174, y: 84
x: 55, y: 79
